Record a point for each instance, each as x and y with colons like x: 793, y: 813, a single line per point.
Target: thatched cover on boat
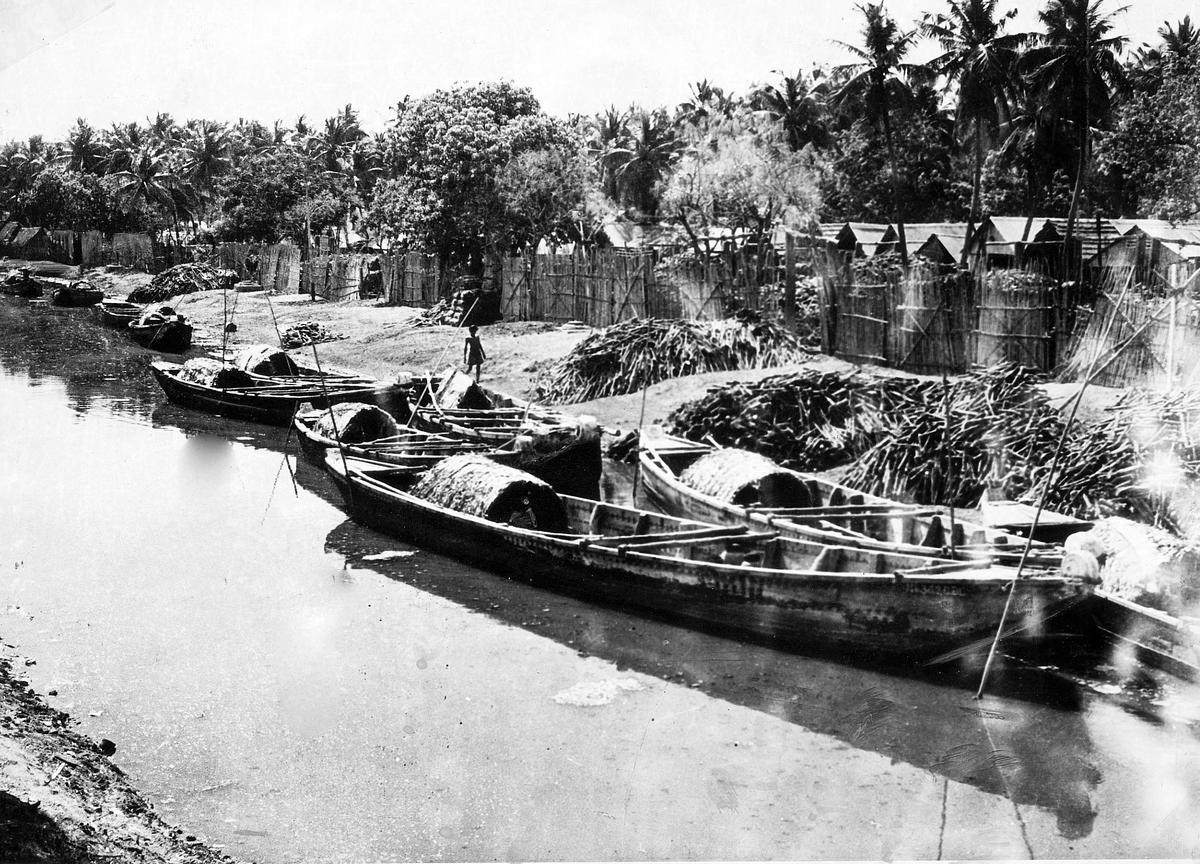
x: 460, y: 391
x: 265, y: 360
x: 480, y: 487
x: 356, y: 423
x: 745, y: 478
x: 158, y: 315
x: 213, y: 373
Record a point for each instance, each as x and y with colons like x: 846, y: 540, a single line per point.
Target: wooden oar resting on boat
x: 234, y: 393
x: 787, y: 591
x: 736, y: 487
x: 560, y: 447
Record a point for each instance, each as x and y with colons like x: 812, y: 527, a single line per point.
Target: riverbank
x: 62, y: 800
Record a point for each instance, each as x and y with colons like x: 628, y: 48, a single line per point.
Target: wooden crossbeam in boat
x: 848, y: 510
x: 736, y: 532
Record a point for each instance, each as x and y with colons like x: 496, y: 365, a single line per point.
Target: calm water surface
x: 295, y: 688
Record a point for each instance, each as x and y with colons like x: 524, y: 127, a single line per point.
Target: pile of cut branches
x: 633, y: 354
x: 307, y: 333
x: 181, y: 279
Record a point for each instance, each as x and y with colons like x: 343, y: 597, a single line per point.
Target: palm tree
x: 607, y: 132
x: 880, y: 80
x: 121, y: 144
x: 981, y: 59
x: 83, y: 150
x: 647, y: 151
x: 1074, y: 71
x: 149, y: 180
x: 799, y: 106
x: 205, y: 154
x: 1179, y: 44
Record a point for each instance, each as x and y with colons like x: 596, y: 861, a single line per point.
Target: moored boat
x: 362, y: 434
x: 162, y: 329
x: 21, y: 283
x: 77, y: 294
x: 567, y: 446
x: 118, y: 313
x: 270, y: 402
x: 735, y: 487
x: 786, y: 591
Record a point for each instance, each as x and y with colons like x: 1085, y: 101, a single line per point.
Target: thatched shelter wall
x: 480, y: 487
x: 744, y: 478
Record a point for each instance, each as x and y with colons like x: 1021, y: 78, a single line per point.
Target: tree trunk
x: 973, y: 216
x: 891, y: 147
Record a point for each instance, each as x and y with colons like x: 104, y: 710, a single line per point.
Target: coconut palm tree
x: 606, y: 134
x: 1074, y: 71
x: 148, y: 181
x: 121, y: 144
x: 879, y: 81
x: 83, y: 150
x: 798, y: 104
x: 205, y: 153
x: 1179, y: 43
x: 980, y: 58
x: 646, y: 152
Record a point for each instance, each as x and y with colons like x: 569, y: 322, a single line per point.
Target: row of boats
x: 159, y: 328
x: 734, y: 542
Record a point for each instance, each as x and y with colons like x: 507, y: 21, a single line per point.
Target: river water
x: 292, y: 687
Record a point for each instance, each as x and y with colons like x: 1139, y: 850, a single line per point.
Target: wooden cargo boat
x: 269, y: 401
x: 77, y: 294
x: 172, y: 335
x: 785, y: 591
x: 569, y: 446
x: 805, y: 506
x: 118, y: 313
x: 420, y: 448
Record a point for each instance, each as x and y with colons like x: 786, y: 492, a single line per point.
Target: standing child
x: 473, y: 352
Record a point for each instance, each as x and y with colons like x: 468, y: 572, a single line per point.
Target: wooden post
x: 789, y: 281
x: 1171, y: 344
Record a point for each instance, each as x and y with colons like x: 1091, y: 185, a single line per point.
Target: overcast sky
x: 115, y: 60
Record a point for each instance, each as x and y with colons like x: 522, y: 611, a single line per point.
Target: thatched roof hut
x: 213, y: 373
x: 356, y: 423
x: 746, y: 479
x: 480, y: 487
x: 265, y: 360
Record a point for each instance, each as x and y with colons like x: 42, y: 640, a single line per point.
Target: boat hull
x: 844, y: 614
x: 172, y: 337
x: 263, y: 407
x: 76, y: 297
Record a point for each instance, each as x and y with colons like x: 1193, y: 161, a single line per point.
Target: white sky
x: 120, y: 60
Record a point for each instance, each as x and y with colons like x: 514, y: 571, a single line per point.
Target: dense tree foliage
x: 1061, y: 121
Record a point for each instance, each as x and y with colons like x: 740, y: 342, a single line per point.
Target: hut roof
x: 28, y: 235
x: 944, y: 248
x: 477, y: 486
x: 742, y: 477
x: 8, y: 231
x: 866, y: 237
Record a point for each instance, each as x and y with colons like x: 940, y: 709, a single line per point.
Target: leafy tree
x: 931, y: 173
x: 879, y: 81
x: 62, y: 198
x: 1154, y: 149
x: 1178, y: 42
x: 745, y: 178
x: 269, y: 194
x: 448, y: 150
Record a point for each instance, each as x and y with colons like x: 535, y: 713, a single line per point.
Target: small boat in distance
x: 162, y: 329
x: 78, y: 294
x: 795, y: 593
x: 118, y: 313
